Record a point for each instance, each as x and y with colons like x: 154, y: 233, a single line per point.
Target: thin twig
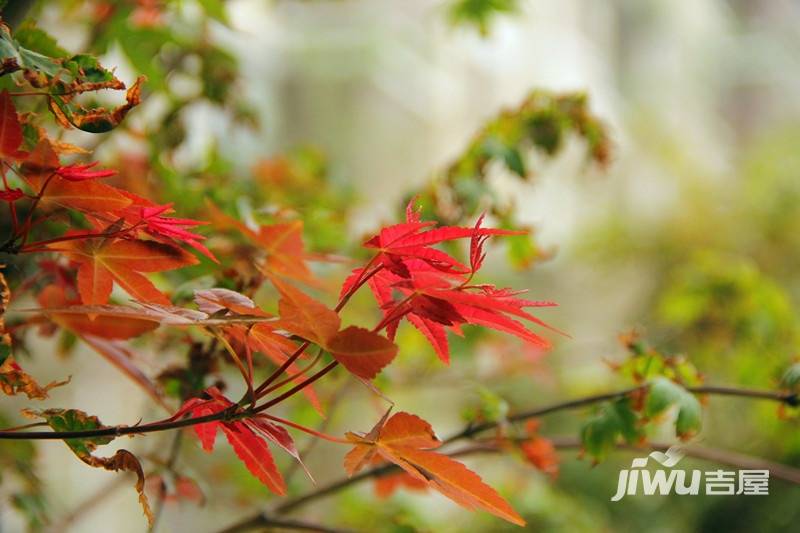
x: 174, y: 452
x: 338, y: 394
x: 264, y: 521
x: 788, y: 398
x: 230, y: 414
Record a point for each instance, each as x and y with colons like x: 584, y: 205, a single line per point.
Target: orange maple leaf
x: 406, y: 440
x: 105, y: 261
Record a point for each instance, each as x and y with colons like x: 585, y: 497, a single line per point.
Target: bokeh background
x: 689, y: 234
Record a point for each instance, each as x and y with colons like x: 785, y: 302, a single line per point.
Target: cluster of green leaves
x: 543, y: 122
x: 736, y: 319
x: 662, y: 382
x: 63, y: 78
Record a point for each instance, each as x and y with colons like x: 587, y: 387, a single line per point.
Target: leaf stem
x: 305, y: 429
x: 262, y: 389
x: 297, y: 388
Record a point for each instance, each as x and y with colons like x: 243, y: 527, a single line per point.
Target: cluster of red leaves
x: 431, y: 289
x: 129, y: 236
x: 248, y: 437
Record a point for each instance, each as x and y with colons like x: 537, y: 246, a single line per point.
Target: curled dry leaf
x: 75, y: 420
x: 14, y: 380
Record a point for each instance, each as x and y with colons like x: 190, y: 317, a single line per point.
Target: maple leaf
x: 432, y: 290
x: 414, y: 238
x: 83, y: 172
x: 304, y: 316
x: 286, y: 255
x: 541, y: 453
x: 10, y: 128
x: 75, y: 420
x: 14, y: 380
x: 152, y: 219
x: 434, y: 303
x: 406, y: 440
x: 282, y: 243
x: 386, y: 485
x: 40, y: 173
x: 362, y: 352
x: 105, y: 261
x: 248, y: 437
x: 255, y: 454
x: 106, y: 327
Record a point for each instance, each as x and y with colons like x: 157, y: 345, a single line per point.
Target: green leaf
x: 74, y: 420
x: 38, y: 40
x: 514, y: 162
x: 15, y: 57
x: 614, y: 420
x: 88, y: 68
x: 663, y: 394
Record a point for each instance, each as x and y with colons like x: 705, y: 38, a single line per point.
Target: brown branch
x: 263, y: 521
x: 741, y: 461
x: 118, y: 431
x: 788, y: 398
x: 777, y: 470
x: 713, y: 455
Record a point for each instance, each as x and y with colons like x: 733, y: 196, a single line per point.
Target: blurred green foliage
x: 543, y: 122
x: 480, y: 13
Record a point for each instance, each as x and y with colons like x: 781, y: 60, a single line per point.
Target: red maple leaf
x: 539, y: 451
x: 414, y: 239
x: 151, y: 218
x: 10, y: 128
x: 433, y: 291
x: 83, y: 172
x: 105, y: 261
x: 248, y: 437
